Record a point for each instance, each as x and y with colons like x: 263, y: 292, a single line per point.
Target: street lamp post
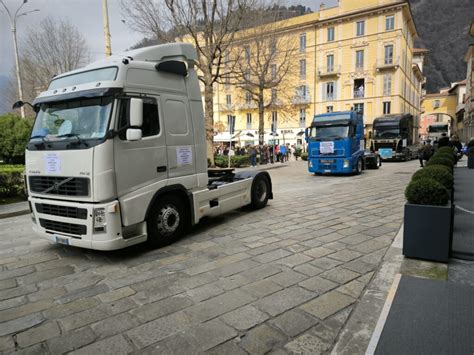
x: 13, y: 19
x: 105, y: 16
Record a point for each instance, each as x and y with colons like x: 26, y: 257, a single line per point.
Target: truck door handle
x: 161, y: 169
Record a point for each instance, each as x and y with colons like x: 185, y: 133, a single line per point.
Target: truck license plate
x: 61, y: 240
x: 327, y: 161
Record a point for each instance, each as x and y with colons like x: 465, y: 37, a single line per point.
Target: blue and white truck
x: 336, y: 144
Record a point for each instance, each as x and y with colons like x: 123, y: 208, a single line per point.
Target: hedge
x: 440, y: 160
x: 11, y: 181
x: 438, y: 173
x: 236, y: 161
x: 304, y: 156
x: 426, y: 191
x: 14, y: 135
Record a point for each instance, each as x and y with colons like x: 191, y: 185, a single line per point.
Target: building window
x: 360, y: 28
x: 359, y: 88
x: 388, y: 58
x: 359, y: 108
x: 387, y: 84
x: 227, y: 79
x: 360, y: 59
x: 273, y: 70
x: 386, y: 107
x: 248, y: 98
x: 302, y: 68
x: 436, y: 103
x: 231, y: 124
x: 330, y: 62
x: 274, y: 121
x: 302, y: 91
x: 302, y: 118
x: 228, y: 99
x: 389, y: 23
x: 247, y: 53
x: 330, y: 34
x: 274, y: 95
x: 303, y: 42
x: 329, y: 91
x: 249, y: 121
x: 329, y: 108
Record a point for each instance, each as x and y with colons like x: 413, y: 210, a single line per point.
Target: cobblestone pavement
x: 283, y: 279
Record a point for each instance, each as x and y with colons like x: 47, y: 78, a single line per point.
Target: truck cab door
x: 141, y: 162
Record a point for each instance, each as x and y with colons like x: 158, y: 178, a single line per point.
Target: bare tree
x: 267, y: 70
x: 210, y: 25
x: 53, y: 47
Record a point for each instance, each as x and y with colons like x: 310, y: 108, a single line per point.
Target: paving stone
x: 50, y: 293
x: 204, y: 292
x: 319, y: 252
x: 308, y: 269
x: 284, y: 300
x: 211, y: 334
x: 83, y: 293
x: 114, y: 325
x: 116, y: 294
x: 261, y: 272
x: 327, y: 304
x: 308, y: 343
x: 22, y: 323
x: 39, y: 276
x: 12, y: 302
x: 293, y: 323
x: 219, y: 305
x: 262, y: 288
x: 368, y: 246
x: 353, y: 288
x: 161, y: 308
x: 294, y: 260
x: 340, y: 275
x: 355, y: 239
x: 64, y: 310
x: 38, y: 334
x: 37, y: 349
x: 6, y: 343
x: 345, y: 255
x: 262, y: 339
x: 15, y: 273
x: 159, y: 329
x: 119, y: 306
x: 83, y: 318
x: 17, y: 291
x: 24, y: 310
x: 8, y: 283
x: 271, y: 256
x: 244, y: 318
x: 217, y: 263
x: 31, y: 260
x: 318, y: 284
x: 228, y: 348
x: 74, y: 340
x: 113, y: 346
x: 287, y: 278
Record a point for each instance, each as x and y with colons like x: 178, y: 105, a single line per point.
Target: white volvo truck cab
x: 117, y: 154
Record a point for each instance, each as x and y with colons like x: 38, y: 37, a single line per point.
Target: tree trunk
x: 261, y: 119
x: 209, y: 120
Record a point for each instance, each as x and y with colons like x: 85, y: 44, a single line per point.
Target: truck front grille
x: 55, y: 185
x: 384, y: 146
x: 62, y: 227
x: 327, y: 167
x: 63, y: 211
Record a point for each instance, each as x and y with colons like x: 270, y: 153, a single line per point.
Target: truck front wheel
x: 359, y: 166
x: 166, y: 221
x: 260, y: 192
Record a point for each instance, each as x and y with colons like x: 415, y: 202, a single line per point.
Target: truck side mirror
x: 134, y: 134
x: 136, y: 113
x: 18, y: 104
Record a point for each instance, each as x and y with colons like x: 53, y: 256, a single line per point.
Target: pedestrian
x: 282, y: 153
x: 425, y: 152
x: 253, y: 156
x: 277, y: 153
x: 443, y: 141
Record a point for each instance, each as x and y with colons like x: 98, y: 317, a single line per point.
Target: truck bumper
x: 72, y: 223
x: 330, y: 166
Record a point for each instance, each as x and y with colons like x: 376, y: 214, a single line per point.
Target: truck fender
x: 252, y: 175
x: 175, y: 189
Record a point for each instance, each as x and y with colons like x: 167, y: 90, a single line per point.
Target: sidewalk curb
x: 14, y: 214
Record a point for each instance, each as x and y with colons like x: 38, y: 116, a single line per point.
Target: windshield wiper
x: 76, y: 135
x: 43, y: 139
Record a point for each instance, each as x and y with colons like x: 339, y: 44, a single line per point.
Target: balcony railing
x: 327, y: 71
x: 227, y: 107
x: 248, y: 105
x: 329, y: 97
x: 301, y: 99
x: 388, y: 63
x: 358, y: 94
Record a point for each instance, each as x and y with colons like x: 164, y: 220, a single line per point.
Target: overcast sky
x: 86, y: 15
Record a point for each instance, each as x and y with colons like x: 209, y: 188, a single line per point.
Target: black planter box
x: 427, y: 232
x: 470, y: 161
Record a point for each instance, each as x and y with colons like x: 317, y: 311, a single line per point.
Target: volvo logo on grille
x: 57, y: 185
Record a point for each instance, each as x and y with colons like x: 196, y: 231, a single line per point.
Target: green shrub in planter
x: 236, y: 161
x: 425, y: 191
x: 304, y: 156
x: 440, y: 160
x: 11, y: 180
x: 449, y: 150
x: 438, y: 173
x: 446, y: 155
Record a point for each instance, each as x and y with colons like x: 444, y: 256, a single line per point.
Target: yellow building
x: 358, y: 54
x: 438, y: 107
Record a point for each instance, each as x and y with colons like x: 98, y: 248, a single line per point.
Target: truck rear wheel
x: 260, y: 192
x: 166, y: 221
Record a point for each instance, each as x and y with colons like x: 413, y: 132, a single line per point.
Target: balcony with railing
x: 388, y: 63
x: 247, y: 105
x: 225, y: 107
x: 328, y: 71
x: 301, y: 99
x: 359, y: 93
x: 329, y: 96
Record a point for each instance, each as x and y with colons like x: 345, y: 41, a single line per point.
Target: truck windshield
x: 76, y: 119
x: 329, y: 132
x: 437, y: 129
x: 387, y: 133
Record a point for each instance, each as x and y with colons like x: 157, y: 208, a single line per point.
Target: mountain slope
x: 443, y: 29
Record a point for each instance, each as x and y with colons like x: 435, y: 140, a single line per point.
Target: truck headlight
x: 100, y: 220
x: 310, y: 163
x: 346, y: 164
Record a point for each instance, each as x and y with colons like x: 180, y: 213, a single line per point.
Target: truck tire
x: 359, y: 166
x: 166, y: 221
x: 378, y: 162
x: 260, y: 192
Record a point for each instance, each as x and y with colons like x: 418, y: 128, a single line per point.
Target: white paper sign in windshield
x: 184, y: 156
x: 52, y: 163
x: 326, y: 147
